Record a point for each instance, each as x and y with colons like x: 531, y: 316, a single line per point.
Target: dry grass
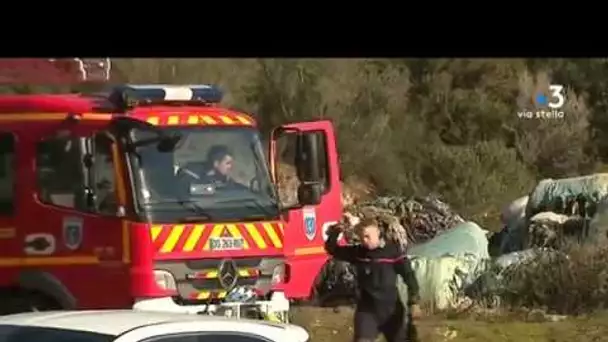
x: 327, y: 325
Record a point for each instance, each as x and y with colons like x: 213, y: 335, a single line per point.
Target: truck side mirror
x: 310, y: 193
x: 307, y: 158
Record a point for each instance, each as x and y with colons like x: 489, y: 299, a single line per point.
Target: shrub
x: 573, y: 282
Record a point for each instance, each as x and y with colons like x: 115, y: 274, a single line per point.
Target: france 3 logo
x: 548, y: 104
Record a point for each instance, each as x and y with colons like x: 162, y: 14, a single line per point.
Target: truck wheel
x: 27, y: 302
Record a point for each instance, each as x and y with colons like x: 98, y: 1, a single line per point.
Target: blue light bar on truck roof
x: 129, y: 95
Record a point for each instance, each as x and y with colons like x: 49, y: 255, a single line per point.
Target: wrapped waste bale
x: 577, y: 198
x: 414, y: 220
x: 448, y: 264
x: 569, y: 196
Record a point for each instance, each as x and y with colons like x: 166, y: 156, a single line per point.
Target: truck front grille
x: 212, y: 279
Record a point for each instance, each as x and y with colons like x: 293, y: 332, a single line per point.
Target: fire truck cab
x: 155, y: 198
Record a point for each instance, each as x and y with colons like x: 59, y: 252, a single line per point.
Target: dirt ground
x: 329, y: 325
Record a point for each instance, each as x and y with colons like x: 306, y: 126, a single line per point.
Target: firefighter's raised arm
x: 403, y: 267
x: 344, y: 253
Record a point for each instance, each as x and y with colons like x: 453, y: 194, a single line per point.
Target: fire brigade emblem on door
x: 227, y: 273
x: 310, y: 224
x: 72, y: 232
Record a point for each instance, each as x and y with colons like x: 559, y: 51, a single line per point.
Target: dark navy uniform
x: 379, y: 308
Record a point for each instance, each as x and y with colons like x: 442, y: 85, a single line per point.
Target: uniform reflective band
x: 383, y: 260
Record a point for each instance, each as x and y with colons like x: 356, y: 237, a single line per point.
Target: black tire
x: 21, y: 301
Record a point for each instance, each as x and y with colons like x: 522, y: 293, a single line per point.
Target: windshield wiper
x: 249, y: 218
x: 200, y: 213
x: 194, y: 219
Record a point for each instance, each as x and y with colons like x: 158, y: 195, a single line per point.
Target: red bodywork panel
x: 114, y: 262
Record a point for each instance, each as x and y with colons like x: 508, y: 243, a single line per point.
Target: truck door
x: 77, y: 208
x: 306, y: 153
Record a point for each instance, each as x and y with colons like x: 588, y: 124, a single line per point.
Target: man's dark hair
x: 217, y: 153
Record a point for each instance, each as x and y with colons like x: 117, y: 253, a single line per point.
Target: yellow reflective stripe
x: 154, y: 120
x: 207, y: 294
x: 208, y: 120
x: 243, y: 120
x: 49, y: 261
x: 173, y: 120
x: 255, y: 235
x: 272, y: 235
x: 192, y: 119
x: 217, y: 231
x: 51, y: 116
x: 194, y: 237
x: 227, y: 120
x: 171, y: 241
x: 234, y: 231
x: 155, y: 232
x: 310, y: 250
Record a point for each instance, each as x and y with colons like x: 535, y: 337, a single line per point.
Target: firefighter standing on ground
x: 378, y: 262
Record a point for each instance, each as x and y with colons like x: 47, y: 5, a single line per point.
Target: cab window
x: 59, y: 172
x: 104, y: 176
x: 7, y: 174
x: 287, y: 177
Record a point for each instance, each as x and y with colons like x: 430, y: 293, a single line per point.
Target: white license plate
x: 224, y: 243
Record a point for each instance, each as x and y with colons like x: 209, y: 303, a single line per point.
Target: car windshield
x: 14, y: 333
x: 202, y: 174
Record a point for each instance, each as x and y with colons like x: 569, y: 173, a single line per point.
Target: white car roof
x: 117, y: 322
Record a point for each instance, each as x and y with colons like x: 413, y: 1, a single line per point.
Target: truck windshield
x: 209, y: 174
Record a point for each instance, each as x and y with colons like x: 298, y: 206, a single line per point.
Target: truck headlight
x: 165, y: 280
x: 278, y: 274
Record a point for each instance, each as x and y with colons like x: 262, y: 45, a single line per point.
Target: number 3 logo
x: 557, y: 93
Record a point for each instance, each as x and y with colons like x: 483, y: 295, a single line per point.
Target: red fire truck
x: 155, y: 197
